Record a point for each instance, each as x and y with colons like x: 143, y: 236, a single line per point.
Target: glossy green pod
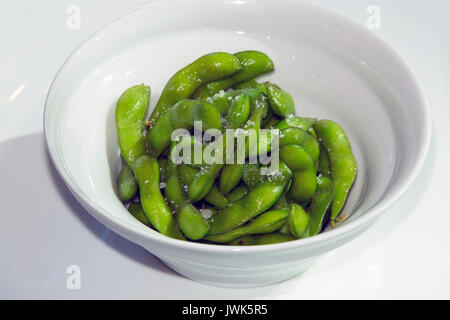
x: 146, y: 171
x: 298, y: 221
x: 342, y: 161
x: 253, y: 63
x: 136, y: 210
x: 320, y: 204
x: 131, y: 109
x: 127, y: 183
x: 182, y: 84
x: 281, y: 102
x: 304, y: 182
x: 188, y: 218
x: 261, y: 198
x: 266, y: 222
x: 182, y: 115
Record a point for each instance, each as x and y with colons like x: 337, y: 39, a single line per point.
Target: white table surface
x: 44, y: 231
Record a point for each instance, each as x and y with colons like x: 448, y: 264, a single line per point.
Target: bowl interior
x: 332, y: 68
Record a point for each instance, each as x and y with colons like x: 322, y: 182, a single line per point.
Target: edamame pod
x: 181, y: 116
x: 146, y: 171
x: 304, y: 182
x: 251, y: 175
x: 182, y: 84
x: 324, y: 164
x: 230, y: 176
x: 127, y: 183
x: 342, y: 161
x: 190, y: 221
x: 292, y: 121
x: 130, y: 113
x: 302, y: 138
x: 238, y: 193
x: 238, y: 113
x: 266, y: 222
x: 261, y: 198
x: 253, y: 63
x: 214, y: 197
x: 252, y: 84
x: 136, y: 210
x: 281, y: 102
x: 320, y: 204
x: 298, y: 221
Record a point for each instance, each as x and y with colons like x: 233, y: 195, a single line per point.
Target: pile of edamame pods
x: 235, y: 203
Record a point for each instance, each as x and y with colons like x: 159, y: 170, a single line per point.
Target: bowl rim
x: 371, y: 214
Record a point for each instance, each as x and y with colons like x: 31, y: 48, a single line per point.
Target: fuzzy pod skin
x: 342, y: 161
x: 253, y: 63
x: 146, y: 171
x: 182, y: 84
x: 131, y: 109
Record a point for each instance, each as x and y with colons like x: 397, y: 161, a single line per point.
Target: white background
x: 43, y: 230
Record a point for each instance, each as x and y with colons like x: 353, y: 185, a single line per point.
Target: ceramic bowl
x: 333, y: 67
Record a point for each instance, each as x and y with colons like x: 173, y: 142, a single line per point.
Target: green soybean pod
x: 146, y: 171
x: 342, y: 161
x: 127, y: 183
x: 324, y: 163
x: 304, y: 182
x: 222, y: 100
x: 292, y: 121
x: 253, y: 83
x: 298, y: 221
x: 253, y: 63
x: 182, y: 115
x: 302, y: 138
x: 136, y: 210
x: 238, y: 112
x: 281, y: 102
x: 281, y: 204
x: 270, y: 238
x: 130, y: 113
x: 251, y: 175
x: 189, y: 219
x: 214, y: 197
x: 261, y: 198
x: 230, y: 176
x: 320, y: 204
x: 237, y: 193
x: 182, y: 84
x: 266, y: 222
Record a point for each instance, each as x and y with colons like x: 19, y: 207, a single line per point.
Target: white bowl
x: 334, y: 68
